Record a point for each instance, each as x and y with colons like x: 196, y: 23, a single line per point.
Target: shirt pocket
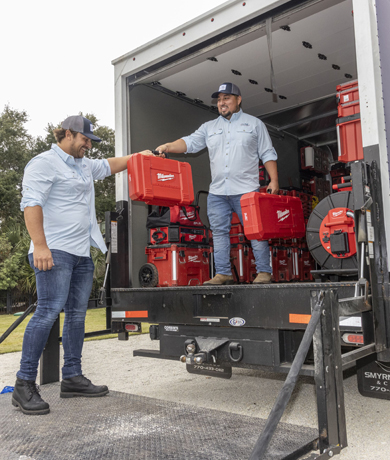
x: 214, y: 138
x: 72, y: 182
x: 70, y: 175
x: 246, y: 135
x: 88, y: 179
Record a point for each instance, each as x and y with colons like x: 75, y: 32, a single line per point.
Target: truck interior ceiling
x: 287, y: 77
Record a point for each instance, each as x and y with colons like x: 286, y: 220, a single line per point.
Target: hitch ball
x: 183, y: 358
x: 190, y: 348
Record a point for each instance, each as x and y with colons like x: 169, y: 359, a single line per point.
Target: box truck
x: 317, y: 73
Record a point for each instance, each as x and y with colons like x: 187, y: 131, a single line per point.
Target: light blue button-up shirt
x: 235, y: 147
x: 63, y: 187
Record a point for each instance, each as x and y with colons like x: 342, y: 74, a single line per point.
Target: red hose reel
x: 337, y: 233
x: 330, y: 233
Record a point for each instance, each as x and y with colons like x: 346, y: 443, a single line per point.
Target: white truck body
x: 347, y: 41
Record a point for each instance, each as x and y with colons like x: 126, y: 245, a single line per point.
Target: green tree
x: 9, y: 265
x: 15, y: 271
x: 15, y: 152
x: 104, y: 189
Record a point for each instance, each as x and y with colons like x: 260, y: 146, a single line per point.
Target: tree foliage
x: 15, y: 152
x: 9, y: 264
x: 104, y: 189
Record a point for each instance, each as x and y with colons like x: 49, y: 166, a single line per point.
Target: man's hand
x: 43, y: 259
x: 153, y: 153
x: 178, y: 146
x: 162, y: 148
x: 273, y: 186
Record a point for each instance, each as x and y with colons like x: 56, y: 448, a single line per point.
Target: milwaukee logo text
x: 282, y: 215
x: 163, y: 177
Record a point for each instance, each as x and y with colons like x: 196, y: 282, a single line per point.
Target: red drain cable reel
x: 337, y: 233
x: 330, y: 232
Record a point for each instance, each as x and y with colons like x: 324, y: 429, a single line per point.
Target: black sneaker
x: 26, y: 396
x: 81, y: 386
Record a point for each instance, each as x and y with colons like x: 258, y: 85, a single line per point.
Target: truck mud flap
x: 373, y: 378
x: 212, y: 370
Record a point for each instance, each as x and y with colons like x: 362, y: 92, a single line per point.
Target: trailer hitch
x: 201, y: 350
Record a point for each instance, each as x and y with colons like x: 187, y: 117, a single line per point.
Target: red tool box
x: 305, y: 263
x: 237, y: 235
x: 162, y: 216
x: 282, y: 264
x: 159, y: 181
x: 178, y: 234
x: 243, y: 263
x: 349, y: 130
x: 178, y: 224
x: 269, y: 216
x: 175, y: 265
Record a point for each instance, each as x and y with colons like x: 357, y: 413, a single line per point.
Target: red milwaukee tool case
x: 158, y: 181
x: 180, y: 265
x: 269, y: 216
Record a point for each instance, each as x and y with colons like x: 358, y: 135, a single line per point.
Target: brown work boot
x: 220, y: 279
x: 262, y: 278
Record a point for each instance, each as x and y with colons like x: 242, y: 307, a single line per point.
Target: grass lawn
x: 95, y: 321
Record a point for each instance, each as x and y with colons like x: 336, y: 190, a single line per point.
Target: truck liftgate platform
x: 122, y: 426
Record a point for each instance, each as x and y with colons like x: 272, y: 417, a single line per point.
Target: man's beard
x: 226, y: 115
x: 76, y: 152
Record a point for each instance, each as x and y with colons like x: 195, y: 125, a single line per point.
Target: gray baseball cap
x: 80, y: 125
x: 227, y: 88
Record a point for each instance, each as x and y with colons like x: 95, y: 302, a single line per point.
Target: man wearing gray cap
x: 236, y: 142
x: 59, y: 209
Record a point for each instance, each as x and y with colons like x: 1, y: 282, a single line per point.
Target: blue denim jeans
x: 219, y: 211
x: 66, y: 286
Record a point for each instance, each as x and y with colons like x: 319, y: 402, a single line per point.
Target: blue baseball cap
x: 227, y: 88
x: 80, y: 125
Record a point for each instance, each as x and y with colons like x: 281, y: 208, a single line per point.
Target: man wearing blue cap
x: 59, y: 209
x: 236, y: 142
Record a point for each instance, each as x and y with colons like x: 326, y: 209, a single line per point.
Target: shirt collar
x: 63, y: 155
x: 234, y: 116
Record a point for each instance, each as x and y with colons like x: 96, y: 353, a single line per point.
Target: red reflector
x: 137, y: 314
x: 353, y: 338
x: 131, y: 327
x: 300, y: 319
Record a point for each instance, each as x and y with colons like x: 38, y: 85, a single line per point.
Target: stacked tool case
x: 241, y: 254
x: 179, y: 252
x: 349, y: 130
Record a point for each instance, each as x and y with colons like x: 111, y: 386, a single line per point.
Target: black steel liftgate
x: 268, y: 327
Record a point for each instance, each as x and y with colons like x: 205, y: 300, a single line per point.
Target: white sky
x: 56, y: 56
